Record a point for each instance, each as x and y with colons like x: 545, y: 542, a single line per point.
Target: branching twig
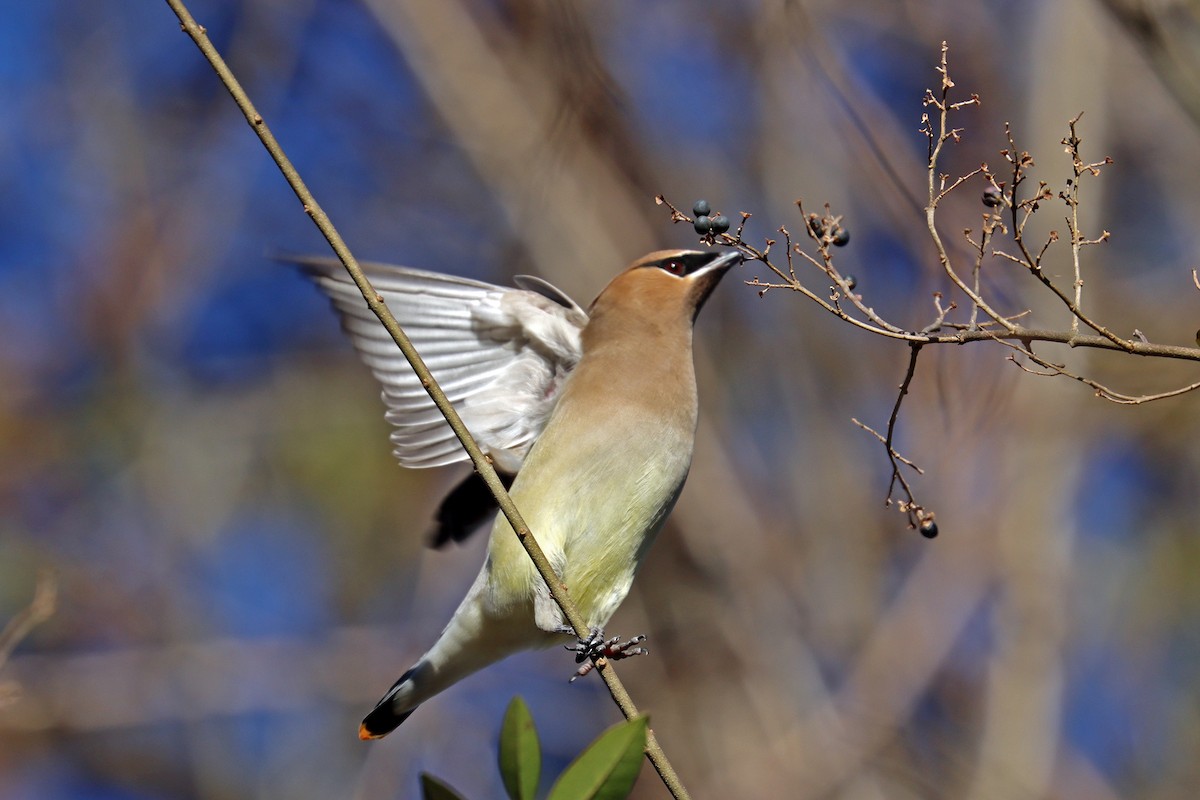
x: 1008, y: 215
x: 917, y: 515
x: 1060, y: 370
x: 937, y: 138
x: 1023, y: 210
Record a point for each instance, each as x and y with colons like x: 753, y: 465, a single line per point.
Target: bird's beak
x: 720, y: 264
x: 706, y: 278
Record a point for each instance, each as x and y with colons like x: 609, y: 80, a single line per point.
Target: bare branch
x: 40, y: 609
x: 1053, y: 370
x: 985, y: 322
x: 917, y: 515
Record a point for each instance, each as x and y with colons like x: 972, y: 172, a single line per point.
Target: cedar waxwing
x: 593, y: 412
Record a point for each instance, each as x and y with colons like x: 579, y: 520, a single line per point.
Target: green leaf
x: 607, y: 769
x: 434, y: 789
x: 520, y: 754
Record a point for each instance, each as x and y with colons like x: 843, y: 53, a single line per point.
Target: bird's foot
x: 596, y: 646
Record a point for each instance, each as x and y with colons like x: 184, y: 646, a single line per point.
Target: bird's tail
x: 469, y: 643
x: 390, y: 711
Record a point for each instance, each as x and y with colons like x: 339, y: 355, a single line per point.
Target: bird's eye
x: 674, y: 267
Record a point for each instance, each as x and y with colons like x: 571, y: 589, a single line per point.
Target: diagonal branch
x: 1058, y: 370
x: 375, y: 302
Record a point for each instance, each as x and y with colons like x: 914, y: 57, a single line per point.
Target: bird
x: 590, y: 416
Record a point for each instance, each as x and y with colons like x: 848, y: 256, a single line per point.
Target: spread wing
x: 500, y: 354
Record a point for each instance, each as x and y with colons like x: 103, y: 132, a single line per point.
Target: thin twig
x: 40, y: 609
x: 1071, y: 197
x: 375, y: 302
x: 1058, y: 370
x: 936, y: 185
x: 1020, y: 161
x: 1013, y: 332
x: 883, y: 440
x: 916, y: 514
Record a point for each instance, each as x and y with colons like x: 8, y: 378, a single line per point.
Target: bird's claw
x: 595, y: 646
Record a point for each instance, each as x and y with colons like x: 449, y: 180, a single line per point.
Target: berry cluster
x: 704, y: 224
x: 828, y: 229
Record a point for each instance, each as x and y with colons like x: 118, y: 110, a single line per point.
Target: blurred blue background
x: 191, y: 451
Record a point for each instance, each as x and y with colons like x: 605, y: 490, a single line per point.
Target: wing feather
x: 500, y: 354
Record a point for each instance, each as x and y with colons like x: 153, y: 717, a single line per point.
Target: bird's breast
x: 598, y: 485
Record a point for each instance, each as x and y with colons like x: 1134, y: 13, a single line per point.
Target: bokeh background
x: 189, y: 446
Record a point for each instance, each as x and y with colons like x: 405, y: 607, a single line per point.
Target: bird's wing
x: 500, y: 355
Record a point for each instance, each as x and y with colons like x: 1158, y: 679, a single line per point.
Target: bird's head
x: 666, y: 286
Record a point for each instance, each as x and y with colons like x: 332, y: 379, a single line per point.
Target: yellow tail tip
x: 365, y: 734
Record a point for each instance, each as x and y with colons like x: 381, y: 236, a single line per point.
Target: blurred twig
x: 375, y: 302
x: 1167, y: 33
x: 502, y: 113
x: 111, y: 688
x: 40, y: 609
